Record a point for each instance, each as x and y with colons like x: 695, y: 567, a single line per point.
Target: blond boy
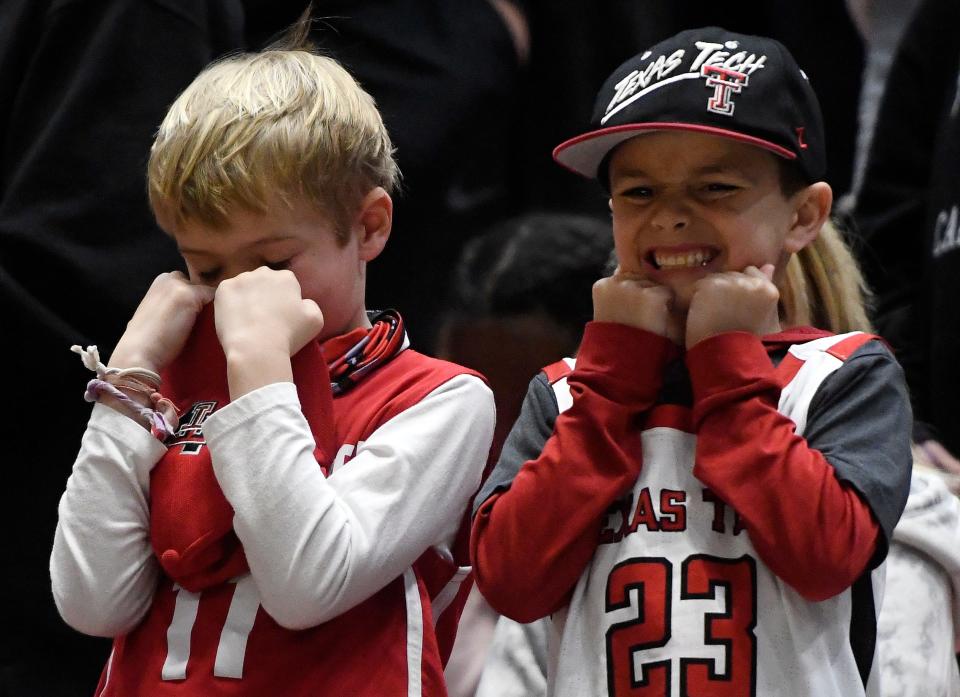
x: 273, y: 173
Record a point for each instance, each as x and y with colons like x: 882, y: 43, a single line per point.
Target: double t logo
x: 190, y: 433
x: 724, y: 83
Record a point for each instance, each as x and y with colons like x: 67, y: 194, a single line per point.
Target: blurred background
x: 494, y: 247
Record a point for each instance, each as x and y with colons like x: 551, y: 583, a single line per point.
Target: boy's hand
x: 734, y: 301
x: 262, y: 311
x: 159, y: 328
x: 628, y: 299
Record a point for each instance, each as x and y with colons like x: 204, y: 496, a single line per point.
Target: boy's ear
x: 374, y: 221
x: 812, y: 208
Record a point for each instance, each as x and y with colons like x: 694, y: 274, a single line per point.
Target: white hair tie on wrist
x: 138, y: 380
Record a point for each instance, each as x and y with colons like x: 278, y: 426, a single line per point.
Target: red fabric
x: 783, y: 340
x: 336, y: 346
x: 846, y: 348
x: 191, y: 523
x: 556, y: 371
x: 750, y: 456
x: 361, y: 653
x: 669, y: 416
x: 531, y: 543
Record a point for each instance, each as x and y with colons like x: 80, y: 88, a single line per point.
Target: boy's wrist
x: 726, y: 360
x: 632, y: 358
x: 252, y: 367
x: 123, y: 357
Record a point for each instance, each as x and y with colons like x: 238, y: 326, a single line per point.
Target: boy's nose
x: 671, y: 213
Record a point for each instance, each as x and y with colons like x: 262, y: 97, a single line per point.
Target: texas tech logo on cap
x: 724, y: 81
x: 725, y: 67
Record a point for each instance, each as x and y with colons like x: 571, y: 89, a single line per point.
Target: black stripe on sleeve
x: 860, y: 420
x: 863, y: 625
x: 526, y: 439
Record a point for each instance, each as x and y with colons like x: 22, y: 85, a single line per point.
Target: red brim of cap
x: 584, y: 153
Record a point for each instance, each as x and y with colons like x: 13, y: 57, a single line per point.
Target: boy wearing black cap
x: 702, y: 500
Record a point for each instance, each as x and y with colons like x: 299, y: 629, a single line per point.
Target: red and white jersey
x: 672, y: 596
x: 357, y: 574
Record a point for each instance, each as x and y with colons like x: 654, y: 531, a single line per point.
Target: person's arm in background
x: 891, y: 207
x: 881, y: 24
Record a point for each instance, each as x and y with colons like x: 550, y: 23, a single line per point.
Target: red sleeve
x: 530, y: 543
x: 811, y: 529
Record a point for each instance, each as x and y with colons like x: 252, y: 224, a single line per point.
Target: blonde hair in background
x: 257, y: 129
x: 824, y: 286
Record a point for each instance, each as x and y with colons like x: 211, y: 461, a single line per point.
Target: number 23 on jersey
x: 731, y: 630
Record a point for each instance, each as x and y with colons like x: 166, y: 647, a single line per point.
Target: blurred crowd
x: 494, y: 249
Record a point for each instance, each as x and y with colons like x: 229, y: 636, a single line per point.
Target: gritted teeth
x: 682, y: 260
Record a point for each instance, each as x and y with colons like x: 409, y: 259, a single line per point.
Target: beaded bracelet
x: 113, y: 380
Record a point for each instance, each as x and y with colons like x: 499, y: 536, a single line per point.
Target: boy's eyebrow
x: 632, y: 172
x: 719, y: 168
x: 706, y: 170
x: 188, y: 250
x: 256, y: 243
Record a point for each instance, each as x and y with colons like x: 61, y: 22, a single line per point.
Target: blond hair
x: 824, y: 286
x: 279, y: 126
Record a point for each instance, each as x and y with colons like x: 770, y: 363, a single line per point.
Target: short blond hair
x: 255, y: 129
x: 824, y: 286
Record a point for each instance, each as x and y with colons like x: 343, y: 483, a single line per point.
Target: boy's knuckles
x: 181, y: 295
x: 601, y: 287
x: 312, y: 311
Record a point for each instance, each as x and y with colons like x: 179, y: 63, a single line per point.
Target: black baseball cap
x: 709, y: 80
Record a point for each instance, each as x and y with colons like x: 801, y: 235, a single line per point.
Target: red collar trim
x: 794, y: 335
x: 336, y: 346
x: 358, y: 353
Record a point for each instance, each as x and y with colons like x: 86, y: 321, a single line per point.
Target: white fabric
x: 916, y: 634
x: 562, y: 390
x: 446, y: 596
x: 517, y: 663
x: 817, y: 366
x: 475, y: 631
x: 316, y: 546
x: 411, y: 592
x: 232, y: 648
x: 102, y: 567
x: 178, y: 635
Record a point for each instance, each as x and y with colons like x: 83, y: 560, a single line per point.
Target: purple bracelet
x: 160, y: 428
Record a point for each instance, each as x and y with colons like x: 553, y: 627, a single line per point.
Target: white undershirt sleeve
x: 102, y: 568
x: 317, y: 546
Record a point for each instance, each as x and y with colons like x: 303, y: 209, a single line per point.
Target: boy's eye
x: 278, y: 265
x: 720, y: 187
x: 210, y: 275
x: 637, y: 192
